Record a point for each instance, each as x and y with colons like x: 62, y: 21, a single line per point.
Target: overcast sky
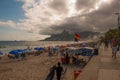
x: 38, y: 19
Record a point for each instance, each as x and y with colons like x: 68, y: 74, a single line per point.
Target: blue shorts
x: 114, y: 49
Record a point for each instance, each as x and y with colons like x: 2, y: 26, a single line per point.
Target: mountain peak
x: 66, y: 36
x: 65, y: 32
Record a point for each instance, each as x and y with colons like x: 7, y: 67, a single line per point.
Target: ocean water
x: 6, y: 46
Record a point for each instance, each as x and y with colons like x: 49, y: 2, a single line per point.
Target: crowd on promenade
x: 114, y: 43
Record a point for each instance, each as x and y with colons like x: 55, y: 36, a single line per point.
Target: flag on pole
x: 76, y: 37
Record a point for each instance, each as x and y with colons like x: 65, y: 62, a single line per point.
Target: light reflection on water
x: 7, y: 46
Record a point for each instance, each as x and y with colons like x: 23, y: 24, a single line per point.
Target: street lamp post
x: 118, y: 14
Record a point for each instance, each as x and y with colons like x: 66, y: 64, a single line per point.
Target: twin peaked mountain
x: 66, y: 36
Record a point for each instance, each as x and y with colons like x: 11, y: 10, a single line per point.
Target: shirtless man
x: 114, y: 45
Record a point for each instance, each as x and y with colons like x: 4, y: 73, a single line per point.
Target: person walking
x: 114, y: 45
x: 106, y: 43
x: 59, y: 70
x: 67, y: 58
x: 118, y: 43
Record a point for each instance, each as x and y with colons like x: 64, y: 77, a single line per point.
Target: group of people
x: 69, y: 58
x: 114, y: 43
x: 55, y: 69
x: 16, y: 56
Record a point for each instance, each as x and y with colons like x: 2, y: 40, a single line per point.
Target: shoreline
x: 7, y: 48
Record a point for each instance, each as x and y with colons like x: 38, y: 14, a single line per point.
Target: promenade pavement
x: 102, y: 67
x: 109, y: 67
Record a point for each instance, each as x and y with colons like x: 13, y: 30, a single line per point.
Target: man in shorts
x: 114, y: 45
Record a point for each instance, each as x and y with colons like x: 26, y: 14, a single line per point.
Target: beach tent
x: 86, y: 51
x: 73, y: 50
x: 37, y: 48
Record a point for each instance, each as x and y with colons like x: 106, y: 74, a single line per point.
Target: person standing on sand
x: 59, y: 70
x: 67, y: 58
x: 114, y: 45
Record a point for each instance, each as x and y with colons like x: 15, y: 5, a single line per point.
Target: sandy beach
x: 33, y: 68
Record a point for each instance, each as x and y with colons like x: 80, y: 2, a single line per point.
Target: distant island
x: 66, y: 36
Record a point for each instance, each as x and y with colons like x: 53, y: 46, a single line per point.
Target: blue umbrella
x: 19, y: 50
x: 39, y: 48
x: 55, y: 49
x: 84, y: 51
x: 14, y: 52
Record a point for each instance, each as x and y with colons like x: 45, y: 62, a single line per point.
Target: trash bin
x: 96, y: 51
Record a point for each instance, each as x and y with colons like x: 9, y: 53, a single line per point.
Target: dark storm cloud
x: 69, y: 26
x: 105, y: 17
x: 85, y: 4
x: 101, y: 19
x: 59, y: 6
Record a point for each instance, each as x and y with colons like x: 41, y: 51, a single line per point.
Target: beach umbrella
x: 39, y: 48
x: 19, y: 50
x: 84, y: 52
x: 73, y: 48
x: 54, y: 49
x: 26, y: 50
x: 14, y: 52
